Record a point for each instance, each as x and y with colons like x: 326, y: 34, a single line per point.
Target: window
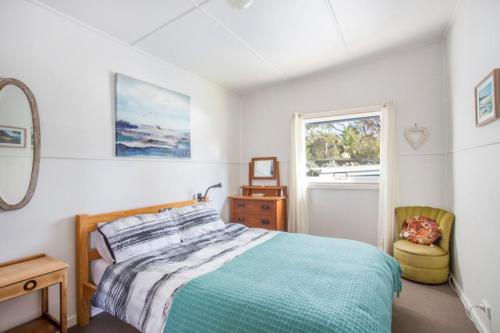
x: 343, y: 148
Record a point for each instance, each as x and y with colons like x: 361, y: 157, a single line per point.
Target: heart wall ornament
x: 416, y: 136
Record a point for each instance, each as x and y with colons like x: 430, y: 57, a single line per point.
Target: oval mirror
x: 19, y: 144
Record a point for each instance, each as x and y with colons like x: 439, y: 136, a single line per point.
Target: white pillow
x: 135, y: 235
x: 197, y: 220
x: 102, y: 248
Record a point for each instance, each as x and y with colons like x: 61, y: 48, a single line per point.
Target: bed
x: 239, y: 279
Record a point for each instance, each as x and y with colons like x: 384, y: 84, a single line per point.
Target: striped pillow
x: 197, y: 220
x: 134, y: 235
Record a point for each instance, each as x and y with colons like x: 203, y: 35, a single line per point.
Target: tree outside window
x: 343, y: 148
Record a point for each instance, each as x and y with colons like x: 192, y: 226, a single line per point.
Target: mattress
x: 97, y: 268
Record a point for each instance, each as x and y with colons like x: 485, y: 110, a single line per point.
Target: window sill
x: 374, y: 186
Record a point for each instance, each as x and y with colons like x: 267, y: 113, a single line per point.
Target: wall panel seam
x: 472, y: 148
x: 126, y: 159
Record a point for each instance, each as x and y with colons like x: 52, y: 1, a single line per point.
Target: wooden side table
x: 27, y: 275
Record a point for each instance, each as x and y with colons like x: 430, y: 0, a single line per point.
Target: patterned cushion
x: 134, y: 235
x: 197, y: 220
x: 421, y: 230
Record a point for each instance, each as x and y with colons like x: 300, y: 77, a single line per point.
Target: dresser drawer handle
x: 265, y: 207
x: 241, y: 204
x: 265, y: 222
x: 240, y: 219
x: 29, y: 285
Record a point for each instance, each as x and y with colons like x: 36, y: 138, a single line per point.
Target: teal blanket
x: 292, y: 283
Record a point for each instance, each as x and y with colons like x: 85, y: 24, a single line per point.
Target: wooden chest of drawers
x: 259, y: 212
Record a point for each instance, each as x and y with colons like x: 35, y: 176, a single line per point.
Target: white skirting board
x: 481, y: 325
x: 71, y: 320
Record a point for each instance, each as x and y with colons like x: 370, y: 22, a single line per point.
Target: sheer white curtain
x: 388, y: 191
x: 297, y: 200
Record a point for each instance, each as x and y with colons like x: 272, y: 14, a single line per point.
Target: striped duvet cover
x: 251, y: 280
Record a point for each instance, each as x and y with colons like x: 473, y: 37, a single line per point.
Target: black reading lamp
x: 201, y: 198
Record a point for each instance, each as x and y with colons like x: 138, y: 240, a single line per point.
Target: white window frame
x: 371, y: 183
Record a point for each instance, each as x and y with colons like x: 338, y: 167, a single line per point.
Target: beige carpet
x: 420, y: 308
x: 426, y: 308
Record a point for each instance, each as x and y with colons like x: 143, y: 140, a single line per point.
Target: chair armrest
x: 446, y: 224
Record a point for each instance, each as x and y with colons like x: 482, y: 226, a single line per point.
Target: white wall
x: 70, y: 71
x: 474, y: 157
x: 412, y: 78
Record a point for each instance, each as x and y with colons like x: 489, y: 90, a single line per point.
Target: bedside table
x: 27, y: 275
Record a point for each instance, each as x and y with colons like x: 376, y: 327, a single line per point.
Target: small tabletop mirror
x: 262, y: 168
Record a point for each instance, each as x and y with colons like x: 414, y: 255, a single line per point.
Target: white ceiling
x: 272, y: 40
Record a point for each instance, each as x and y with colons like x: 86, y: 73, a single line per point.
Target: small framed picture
x: 12, y: 137
x: 487, y: 94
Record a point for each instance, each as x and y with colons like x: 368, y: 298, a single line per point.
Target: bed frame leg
x: 83, y: 312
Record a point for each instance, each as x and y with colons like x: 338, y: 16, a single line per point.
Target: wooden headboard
x: 85, y: 225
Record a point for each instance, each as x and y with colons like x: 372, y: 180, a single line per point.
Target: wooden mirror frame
x: 276, y: 174
x: 36, y: 144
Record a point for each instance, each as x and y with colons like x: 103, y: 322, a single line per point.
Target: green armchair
x: 424, y: 263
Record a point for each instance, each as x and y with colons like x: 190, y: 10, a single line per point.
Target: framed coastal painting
x: 487, y: 94
x: 151, y: 121
x: 14, y: 137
